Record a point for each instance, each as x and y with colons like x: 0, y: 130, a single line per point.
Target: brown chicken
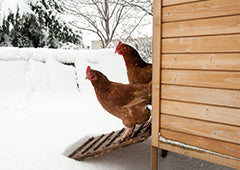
x: 125, y: 101
x: 138, y: 71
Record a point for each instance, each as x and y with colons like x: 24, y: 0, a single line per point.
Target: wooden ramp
x: 96, y: 146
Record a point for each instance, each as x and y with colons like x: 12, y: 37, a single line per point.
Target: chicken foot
x: 126, y: 134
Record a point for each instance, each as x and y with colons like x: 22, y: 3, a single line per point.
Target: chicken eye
x: 94, y: 77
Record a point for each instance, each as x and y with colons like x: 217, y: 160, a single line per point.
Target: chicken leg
x: 126, y: 134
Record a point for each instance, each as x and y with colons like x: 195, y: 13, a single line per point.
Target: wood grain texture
x: 177, y: 2
x: 196, y: 44
x: 211, y: 26
x: 229, y: 162
x: 156, y: 79
x: 227, y: 98
x: 215, y: 79
x: 201, y: 9
x: 202, y: 61
x: 154, y: 158
x: 224, y: 148
x: 221, y: 43
x: 216, y: 114
x: 206, y: 129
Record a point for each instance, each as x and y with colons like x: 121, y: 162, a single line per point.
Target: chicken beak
x: 94, y: 77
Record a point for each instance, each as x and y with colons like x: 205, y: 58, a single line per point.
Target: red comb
x: 87, y: 71
x: 118, y: 45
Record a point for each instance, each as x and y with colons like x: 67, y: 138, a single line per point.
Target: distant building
x: 96, y: 44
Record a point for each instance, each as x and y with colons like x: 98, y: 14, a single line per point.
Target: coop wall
x: 196, y: 75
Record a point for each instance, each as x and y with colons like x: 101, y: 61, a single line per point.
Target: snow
x: 11, y: 6
x: 44, y: 116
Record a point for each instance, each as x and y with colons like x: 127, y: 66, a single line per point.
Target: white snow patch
x: 11, y: 6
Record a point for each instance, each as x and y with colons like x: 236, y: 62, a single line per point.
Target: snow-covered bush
x: 42, y: 27
x: 21, y: 31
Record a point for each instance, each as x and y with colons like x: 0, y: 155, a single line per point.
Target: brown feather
x: 125, y: 101
x: 138, y: 71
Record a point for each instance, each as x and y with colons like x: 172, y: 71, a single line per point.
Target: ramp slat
x: 96, y: 146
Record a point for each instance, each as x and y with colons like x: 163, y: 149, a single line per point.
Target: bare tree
x: 144, y: 5
x: 105, y: 17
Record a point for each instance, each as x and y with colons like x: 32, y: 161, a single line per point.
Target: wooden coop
x: 196, y: 79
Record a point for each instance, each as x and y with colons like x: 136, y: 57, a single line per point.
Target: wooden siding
x: 200, y: 10
x: 206, y: 129
x: 209, y: 26
x: 198, y: 74
x: 218, y: 97
x: 219, y: 159
x: 227, y: 62
x: 224, y: 115
x: 215, y: 79
x: 206, y: 44
x: 217, y: 146
x: 174, y: 2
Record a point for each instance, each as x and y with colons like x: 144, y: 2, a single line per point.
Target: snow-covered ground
x: 44, y: 116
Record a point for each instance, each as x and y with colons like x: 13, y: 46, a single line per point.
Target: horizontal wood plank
x: 223, y: 43
x: 224, y: 148
x: 211, y: 26
x: 227, y: 98
x: 202, y: 61
x: 229, y: 162
x: 217, y: 114
x: 215, y: 79
x: 177, y: 2
x: 206, y: 129
x: 201, y: 9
